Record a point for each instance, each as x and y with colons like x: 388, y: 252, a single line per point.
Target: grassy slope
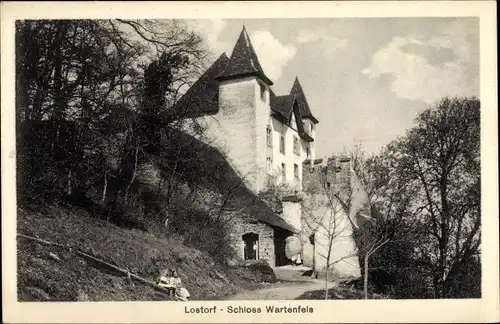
x: 41, y: 277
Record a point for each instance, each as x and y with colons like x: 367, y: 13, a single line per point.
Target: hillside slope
x: 50, y: 273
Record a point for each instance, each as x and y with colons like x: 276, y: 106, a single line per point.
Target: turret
x: 308, y: 118
x: 244, y: 97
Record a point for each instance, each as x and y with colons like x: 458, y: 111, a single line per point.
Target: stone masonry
x: 265, y: 242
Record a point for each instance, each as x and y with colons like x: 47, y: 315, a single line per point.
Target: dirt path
x: 283, y: 291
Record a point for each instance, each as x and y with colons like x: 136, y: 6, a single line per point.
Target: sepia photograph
x: 234, y: 159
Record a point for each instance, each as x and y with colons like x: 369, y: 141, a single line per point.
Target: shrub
x: 204, y: 233
x: 256, y: 272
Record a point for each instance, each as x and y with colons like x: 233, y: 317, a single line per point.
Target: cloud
x: 273, y: 55
x: 210, y: 30
x: 417, y: 74
x: 329, y: 42
x: 307, y: 36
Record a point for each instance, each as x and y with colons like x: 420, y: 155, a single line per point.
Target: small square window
x: 296, y: 145
x: 269, y: 165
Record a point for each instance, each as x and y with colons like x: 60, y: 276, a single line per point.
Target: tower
x: 244, y: 110
x: 308, y: 119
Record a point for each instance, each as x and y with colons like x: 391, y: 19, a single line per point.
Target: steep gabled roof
x: 305, y: 111
x: 282, y: 105
x: 202, y: 97
x: 282, y: 108
x: 244, y: 61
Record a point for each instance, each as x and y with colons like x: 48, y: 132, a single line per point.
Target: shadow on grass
x: 338, y: 293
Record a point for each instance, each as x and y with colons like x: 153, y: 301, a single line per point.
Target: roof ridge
x: 305, y: 111
x: 244, y: 60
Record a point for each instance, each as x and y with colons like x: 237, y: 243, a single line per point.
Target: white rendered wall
x: 233, y: 129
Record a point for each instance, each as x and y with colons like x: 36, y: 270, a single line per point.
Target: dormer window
x: 293, y: 123
x: 262, y: 91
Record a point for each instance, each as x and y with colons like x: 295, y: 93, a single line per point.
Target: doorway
x: 280, y: 236
x: 250, y: 246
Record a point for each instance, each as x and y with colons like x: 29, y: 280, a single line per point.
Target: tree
x: 430, y: 178
x: 84, y: 78
x: 326, y: 216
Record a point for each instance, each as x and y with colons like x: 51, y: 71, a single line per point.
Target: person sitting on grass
x: 181, y: 293
x: 166, y: 281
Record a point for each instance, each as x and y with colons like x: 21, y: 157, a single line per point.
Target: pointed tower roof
x: 304, y: 109
x: 243, y: 61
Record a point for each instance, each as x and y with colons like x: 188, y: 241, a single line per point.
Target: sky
x: 366, y: 79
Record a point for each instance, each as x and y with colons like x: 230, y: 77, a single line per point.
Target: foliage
x: 80, y: 88
x: 425, y: 187
x: 97, y: 125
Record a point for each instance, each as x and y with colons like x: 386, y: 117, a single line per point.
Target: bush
x: 204, y: 233
x: 256, y: 272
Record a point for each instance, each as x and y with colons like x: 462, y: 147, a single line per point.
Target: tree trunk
x: 133, y: 173
x: 326, y: 282
x: 69, y: 188
x: 104, y: 190
x: 313, y: 274
x: 365, y: 279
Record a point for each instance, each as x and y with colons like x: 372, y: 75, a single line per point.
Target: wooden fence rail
x: 125, y: 272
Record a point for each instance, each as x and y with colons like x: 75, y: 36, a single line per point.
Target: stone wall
x: 266, y: 239
x: 322, y: 178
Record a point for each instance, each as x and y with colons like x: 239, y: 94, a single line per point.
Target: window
x: 283, y: 171
x: 308, y: 151
x: 282, y: 143
x: 262, y: 92
x: 269, y: 135
x: 269, y: 165
x: 296, y: 145
x: 293, y: 123
x: 296, y: 171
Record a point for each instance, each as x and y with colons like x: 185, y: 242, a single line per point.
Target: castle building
x: 265, y: 136
x: 267, y: 139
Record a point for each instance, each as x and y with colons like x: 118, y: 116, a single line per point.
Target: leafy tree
x: 80, y: 87
x: 427, y: 184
